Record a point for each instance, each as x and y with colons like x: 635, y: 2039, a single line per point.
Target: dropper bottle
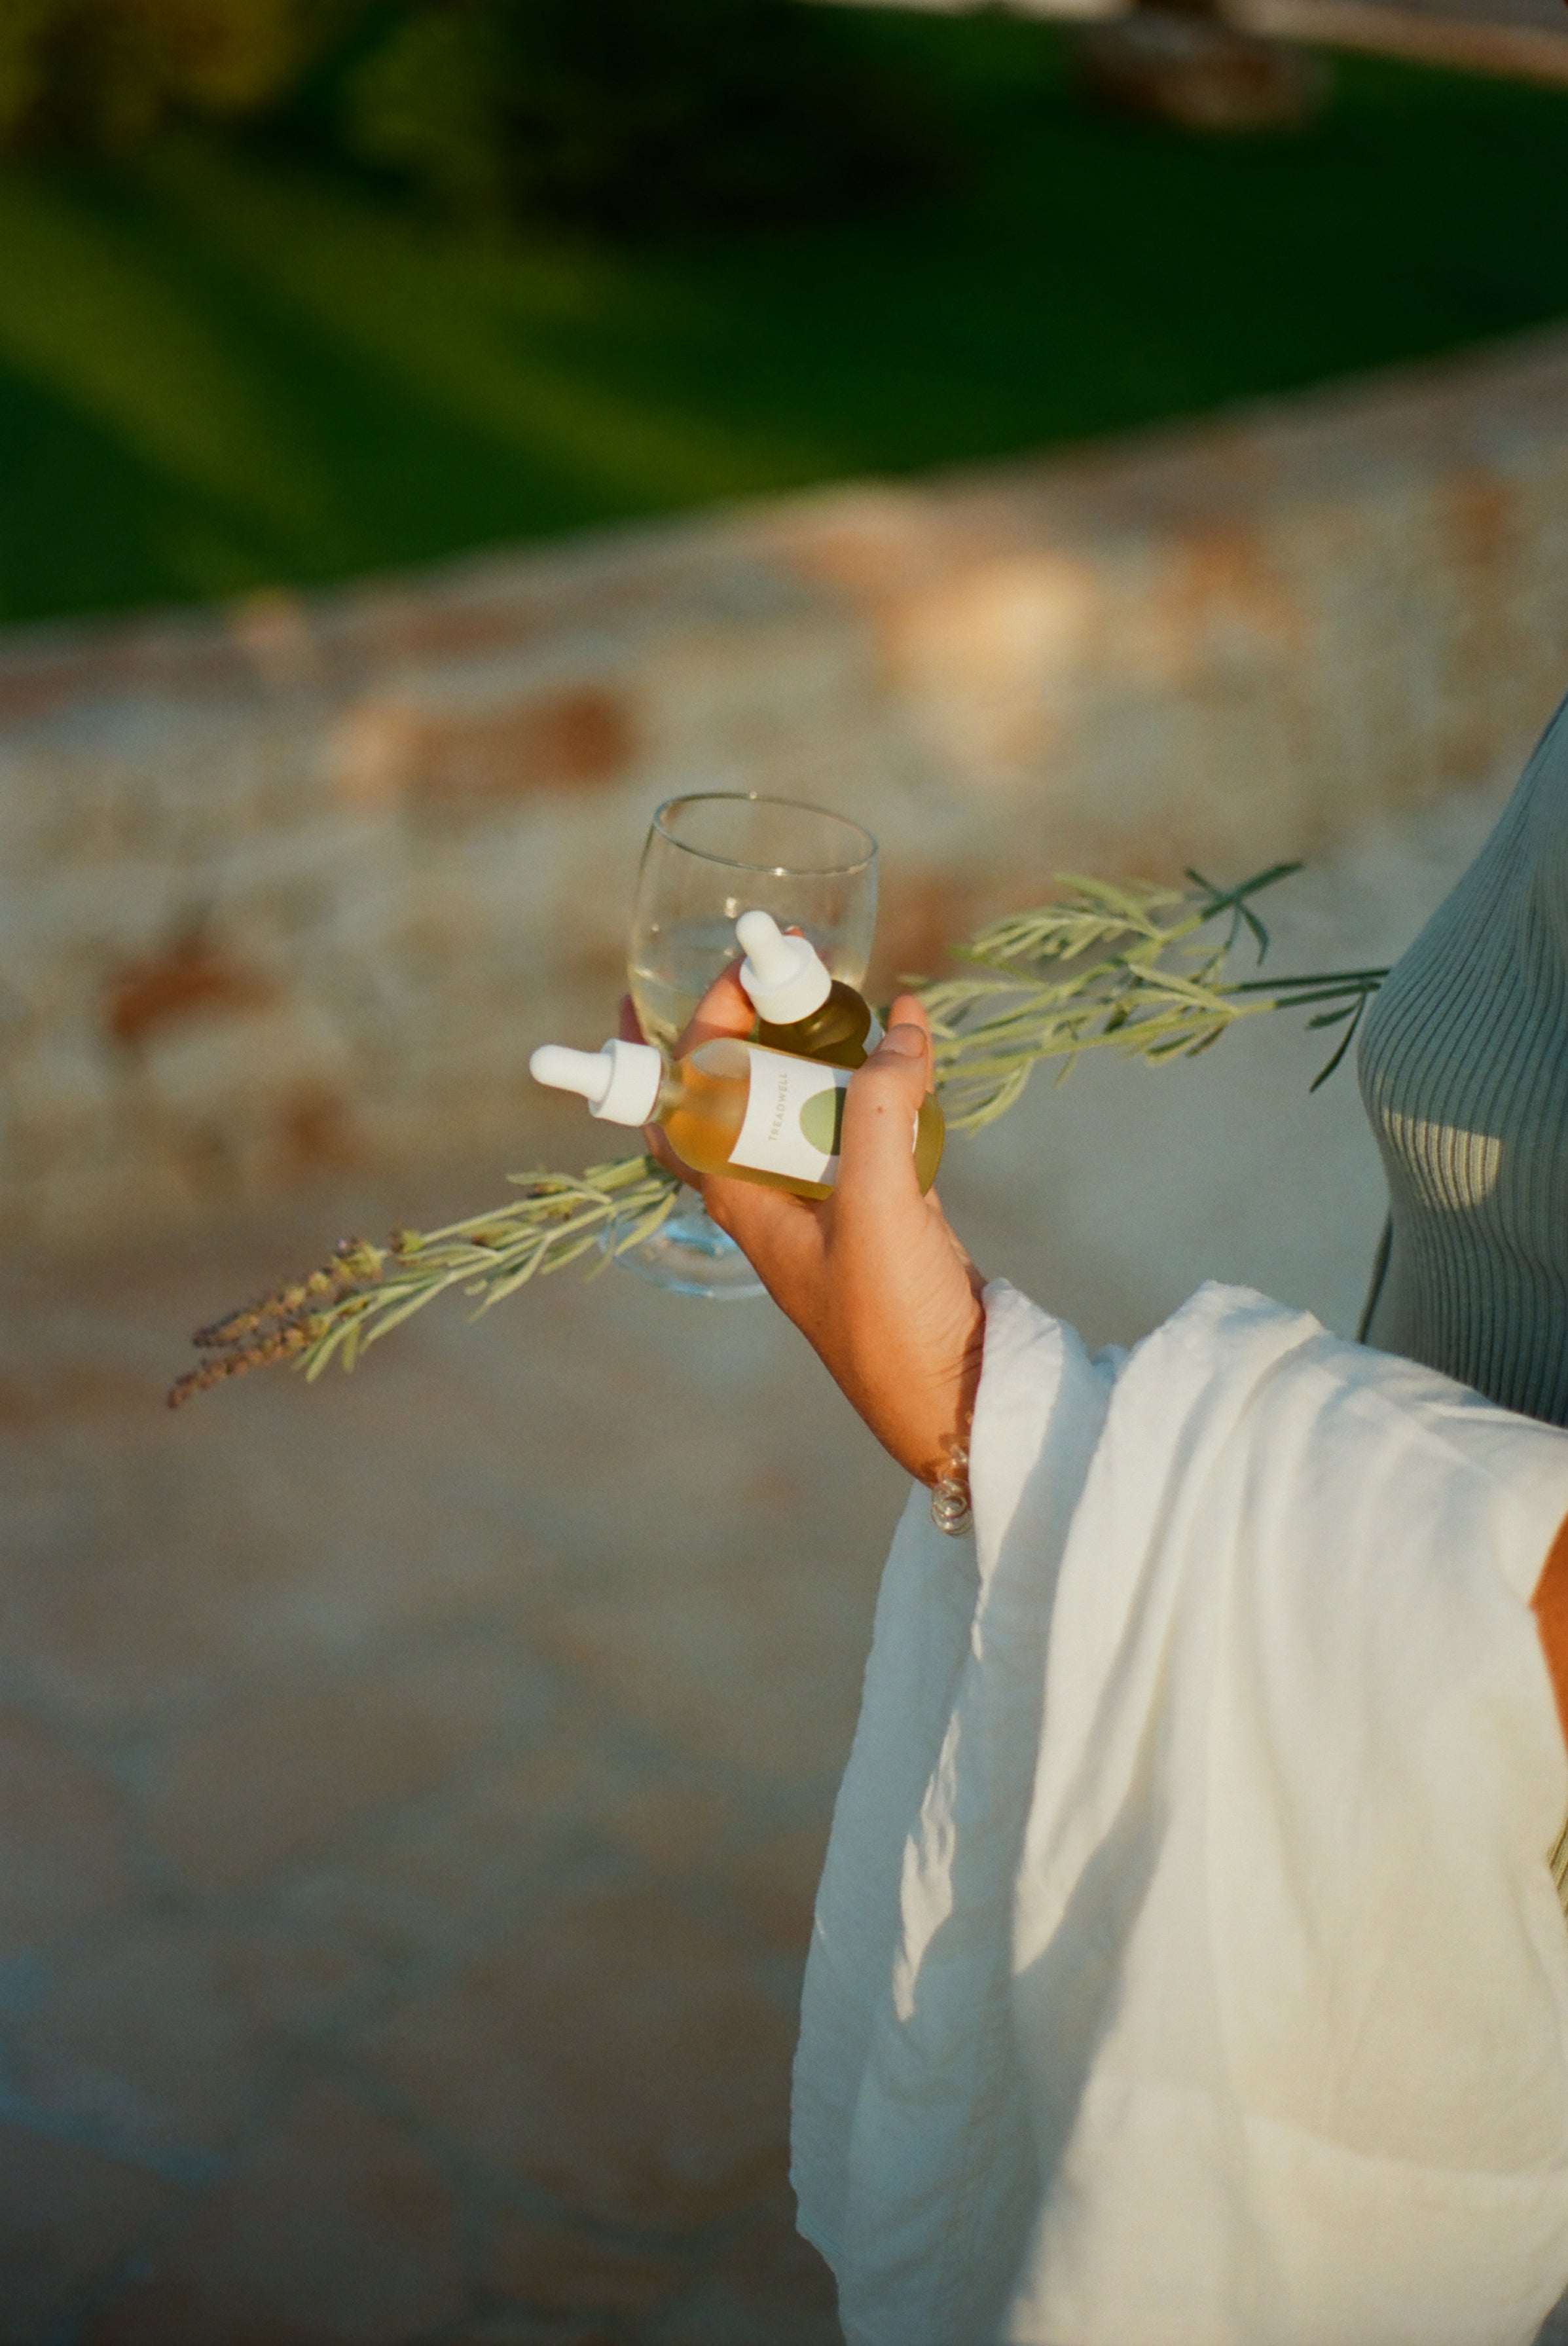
x: 800, y: 1005
x: 801, y: 1008
x: 730, y: 1107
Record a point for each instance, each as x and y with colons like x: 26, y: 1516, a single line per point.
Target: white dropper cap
x: 621, y: 1082
x: 785, y: 976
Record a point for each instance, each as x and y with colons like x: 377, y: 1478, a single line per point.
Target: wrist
x: 936, y: 1445
x: 950, y: 1508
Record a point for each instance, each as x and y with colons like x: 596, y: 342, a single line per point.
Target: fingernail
x: 908, y: 1042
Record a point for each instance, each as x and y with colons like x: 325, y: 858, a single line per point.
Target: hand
x: 873, y: 1276
x: 1550, y: 1605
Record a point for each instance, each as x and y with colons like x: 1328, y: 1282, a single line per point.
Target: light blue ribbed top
x: 1464, y: 1074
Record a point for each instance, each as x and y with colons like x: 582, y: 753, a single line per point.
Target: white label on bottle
x: 794, y: 1112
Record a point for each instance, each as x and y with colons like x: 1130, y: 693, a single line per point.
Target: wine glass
x: 709, y: 857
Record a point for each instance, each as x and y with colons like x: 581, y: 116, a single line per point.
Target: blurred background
x: 432, y: 433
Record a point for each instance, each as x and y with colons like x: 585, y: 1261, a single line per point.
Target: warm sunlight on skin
x: 880, y: 1285
x: 873, y: 1277
x: 1550, y: 1605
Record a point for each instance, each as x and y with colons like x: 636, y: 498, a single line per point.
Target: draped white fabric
x: 1187, y: 1971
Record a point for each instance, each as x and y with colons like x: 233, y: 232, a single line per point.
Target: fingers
x: 877, y: 1148
x: 659, y: 1147
x: 725, y: 1009
x: 780, y: 1236
x: 628, y: 1026
x: 909, y: 1010
x: 749, y: 1213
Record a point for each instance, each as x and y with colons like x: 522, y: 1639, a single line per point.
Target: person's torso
x: 1464, y: 1076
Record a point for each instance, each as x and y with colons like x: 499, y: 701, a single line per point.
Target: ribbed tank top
x: 1464, y: 1074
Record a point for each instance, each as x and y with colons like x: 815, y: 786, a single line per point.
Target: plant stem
x: 1139, y: 970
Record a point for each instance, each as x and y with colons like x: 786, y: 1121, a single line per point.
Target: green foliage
x: 101, y: 77
x: 1127, y: 968
x: 223, y: 367
x: 618, y: 114
x: 364, y: 1291
x: 626, y: 116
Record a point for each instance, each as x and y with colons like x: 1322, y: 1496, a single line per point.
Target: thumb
x: 725, y: 1009
x: 877, y: 1142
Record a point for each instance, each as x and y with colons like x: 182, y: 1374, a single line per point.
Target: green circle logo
x: 822, y: 1120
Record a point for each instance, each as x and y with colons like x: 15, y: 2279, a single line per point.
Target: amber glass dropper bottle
x: 801, y: 1008
x: 731, y: 1108
x: 811, y: 1015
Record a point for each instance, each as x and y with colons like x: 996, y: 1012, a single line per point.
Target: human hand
x: 872, y: 1276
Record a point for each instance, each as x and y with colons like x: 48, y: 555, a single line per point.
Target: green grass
x: 220, y: 370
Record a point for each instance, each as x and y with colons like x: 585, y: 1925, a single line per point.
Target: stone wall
x: 297, y: 884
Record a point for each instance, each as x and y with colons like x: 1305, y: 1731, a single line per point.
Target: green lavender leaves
x: 366, y: 1291
x: 1130, y: 968
x: 1127, y: 968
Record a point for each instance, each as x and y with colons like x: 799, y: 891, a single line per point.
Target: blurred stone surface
x: 68, y: 2221
x: 1177, y: 66
x: 336, y: 2226
x: 664, y: 2114
x: 382, y: 1963
x: 412, y: 1787
x: 1522, y: 39
x: 288, y: 892
x: 573, y: 2273
x: 61, y: 1823
x: 169, y: 2031
x: 276, y: 1778
x: 768, y: 2288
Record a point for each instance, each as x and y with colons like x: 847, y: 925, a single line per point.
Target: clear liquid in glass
x: 709, y: 857
x: 673, y: 967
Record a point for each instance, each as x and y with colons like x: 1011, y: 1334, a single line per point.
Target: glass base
x: 689, y: 1255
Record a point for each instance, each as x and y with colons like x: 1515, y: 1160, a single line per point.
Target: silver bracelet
x: 949, y: 1508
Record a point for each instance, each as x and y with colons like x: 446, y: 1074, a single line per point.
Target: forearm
x: 914, y: 1384
x: 1550, y: 1606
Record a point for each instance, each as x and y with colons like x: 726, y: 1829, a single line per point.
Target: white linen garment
x: 1187, y: 1968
